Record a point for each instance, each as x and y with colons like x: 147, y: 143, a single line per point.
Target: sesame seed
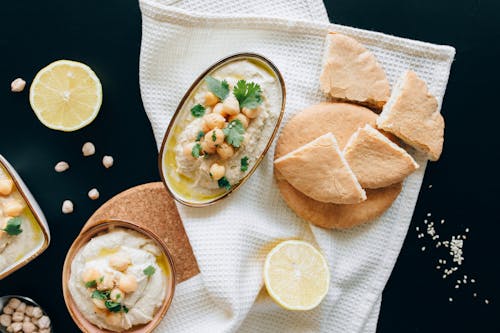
x: 486, y: 301
x: 430, y: 186
x: 456, y: 286
x: 417, y: 228
x: 466, y: 229
x: 475, y: 294
x: 442, y: 221
x: 473, y: 280
x: 450, y: 299
x: 429, y: 214
x: 423, y: 248
x: 438, y: 267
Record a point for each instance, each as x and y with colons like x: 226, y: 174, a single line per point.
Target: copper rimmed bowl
x: 178, y: 185
x: 83, y: 239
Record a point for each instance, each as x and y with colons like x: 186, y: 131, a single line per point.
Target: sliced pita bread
x: 343, y: 120
x: 377, y: 161
x: 351, y: 72
x: 412, y: 115
x: 319, y: 170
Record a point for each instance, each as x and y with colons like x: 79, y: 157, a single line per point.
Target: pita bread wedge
x: 412, y: 115
x: 343, y: 120
x: 377, y: 161
x: 319, y: 170
x: 351, y: 72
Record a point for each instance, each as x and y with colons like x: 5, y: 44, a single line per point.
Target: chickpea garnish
x: 211, y: 121
x: 119, y: 262
x: 127, y: 283
x: 215, y: 137
x: 211, y: 99
x: 225, y: 151
x: 251, y: 113
x: 217, y: 171
x: 231, y: 106
x: 242, y: 118
x: 208, y: 147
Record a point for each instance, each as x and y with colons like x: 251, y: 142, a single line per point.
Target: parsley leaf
x: 125, y: 309
x: 13, y: 227
x: 234, y: 133
x: 248, y: 94
x: 103, y: 295
x: 224, y: 183
x: 218, y: 88
x: 244, y: 163
x: 113, y: 306
x: 196, y: 150
x: 199, y: 136
x: 214, y: 137
x: 198, y: 110
x: 91, y: 284
x: 148, y: 271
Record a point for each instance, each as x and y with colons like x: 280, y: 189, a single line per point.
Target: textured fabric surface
x: 230, y: 239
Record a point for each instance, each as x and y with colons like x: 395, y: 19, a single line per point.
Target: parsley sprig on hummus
x: 248, y: 94
x: 218, y: 88
x: 198, y: 110
x: 13, y: 227
x: 234, y: 133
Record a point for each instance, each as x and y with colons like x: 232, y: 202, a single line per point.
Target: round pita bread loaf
x: 343, y: 120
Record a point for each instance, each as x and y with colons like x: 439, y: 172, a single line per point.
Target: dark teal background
x: 106, y: 35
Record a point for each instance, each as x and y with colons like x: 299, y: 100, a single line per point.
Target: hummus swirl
x: 116, y: 280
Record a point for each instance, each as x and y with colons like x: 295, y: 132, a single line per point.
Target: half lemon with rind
x: 66, y: 95
x: 296, y: 275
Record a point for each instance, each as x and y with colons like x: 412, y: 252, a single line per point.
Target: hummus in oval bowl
x: 222, y: 129
x: 22, y: 236
x: 119, y: 279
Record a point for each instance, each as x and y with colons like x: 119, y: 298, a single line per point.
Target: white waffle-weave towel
x: 229, y: 238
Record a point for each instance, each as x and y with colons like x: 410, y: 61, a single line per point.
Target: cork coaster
x: 151, y: 207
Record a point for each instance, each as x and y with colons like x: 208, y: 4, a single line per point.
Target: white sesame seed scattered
x: 425, y: 221
x: 17, y: 85
x: 486, y: 301
x: 450, y: 299
x: 438, y: 267
x: 442, y: 221
x: 428, y: 214
x: 473, y: 280
x: 430, y: 186
x: 458, y: 281
x: 423, y: 248
x: 456, y: 286
x: 475, y: 294
x: 444, y: 276
x: 417, y: 228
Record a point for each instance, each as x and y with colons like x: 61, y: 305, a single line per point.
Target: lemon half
x: 296, y: 275
x: 66, y: 95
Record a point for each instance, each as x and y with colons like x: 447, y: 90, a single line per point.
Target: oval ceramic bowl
x: 166, y: 158
x: 37, y: 214
x: 83, y: 239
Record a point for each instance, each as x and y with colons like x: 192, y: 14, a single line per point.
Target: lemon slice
x: 66, y: 95
x: 296, y: 275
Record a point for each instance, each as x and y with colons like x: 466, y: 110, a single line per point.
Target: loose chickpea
x: 215, y: 137
x: 99, y: 303
x: 217, y: 171
x: 241, y: 117
x: 211, y: 99
x: 90, y: 274
x: 114, y: 319
x: 44, y: 322
x: 116, y: 295
x: 8, y: 310
x: 17, y: 316
x: 119, y: 262
x: 37, y: 312
x: 13, y: 208
x: 251, y: 113
x: 105, y: 282
x: 29, y: 327
x: 231, y: 106
x: 225, y: 151
x: 29, y: 310
x: 208, y: 147
x: 16, y: 327
x: 219, y: 109
x: 127, y: 283
x: 5, y: 320
x: 211, y: 121
x: 14, y: 303
x: 21, y: 307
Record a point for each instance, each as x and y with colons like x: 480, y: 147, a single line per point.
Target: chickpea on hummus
x: 118, y: 279
x: 230, y: 117
x: 20, y: 233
